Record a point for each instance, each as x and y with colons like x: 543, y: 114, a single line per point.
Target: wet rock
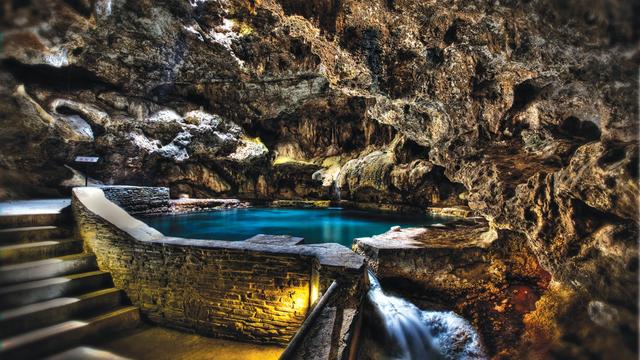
x: 467, y: 269
x: 394, y: 176
x: 526, y: 112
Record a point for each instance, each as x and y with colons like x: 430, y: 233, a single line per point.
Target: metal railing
x: 298, y: 338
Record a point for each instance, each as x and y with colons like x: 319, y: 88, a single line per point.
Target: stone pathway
x: 163, y: 344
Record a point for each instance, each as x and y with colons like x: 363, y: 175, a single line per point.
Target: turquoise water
x: 314, y: 225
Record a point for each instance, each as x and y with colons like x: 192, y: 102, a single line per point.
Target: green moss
x: 331, y: 161
x: 255, y: 140
x: 244, y: 29
x: 301, y: 203
x: 287, y: 160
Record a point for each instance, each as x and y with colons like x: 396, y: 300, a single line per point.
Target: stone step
x: 47, y: 268
x: 55, y: 338
x: 32, y: 233
x: 41, y: 219
x: 18, y: 253
x: 41, y: 314
x: 34, y: 291
x: 86, y: 353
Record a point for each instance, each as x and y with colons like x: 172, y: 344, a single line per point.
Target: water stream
x: 336, y: 191
x: 426, y: 335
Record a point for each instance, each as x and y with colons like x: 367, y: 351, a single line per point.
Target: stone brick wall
x: 240, y: 290
x: 139, y: 199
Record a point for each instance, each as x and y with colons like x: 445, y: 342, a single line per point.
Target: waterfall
x: 336, y: 190
x: 419, y: 334
x: 336, y: 186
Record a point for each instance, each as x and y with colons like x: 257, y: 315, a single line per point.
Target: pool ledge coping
x: 329, y: 254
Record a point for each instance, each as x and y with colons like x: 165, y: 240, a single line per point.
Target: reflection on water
x: 314, y: 225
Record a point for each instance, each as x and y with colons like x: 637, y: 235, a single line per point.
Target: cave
x: 335, y: 180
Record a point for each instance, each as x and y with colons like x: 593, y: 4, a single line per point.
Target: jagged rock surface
x: 524, y: 111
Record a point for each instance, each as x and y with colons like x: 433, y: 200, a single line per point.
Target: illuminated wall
x: 252, y: 292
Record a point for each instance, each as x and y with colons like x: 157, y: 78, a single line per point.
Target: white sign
x: 87, y: 159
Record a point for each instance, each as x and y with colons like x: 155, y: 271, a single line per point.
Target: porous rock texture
x: 524, y: 111
x: 490, y: 277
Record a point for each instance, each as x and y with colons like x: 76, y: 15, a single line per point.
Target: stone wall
x: 241, y: 290
x: 490, y: 277
x: 139, y: 199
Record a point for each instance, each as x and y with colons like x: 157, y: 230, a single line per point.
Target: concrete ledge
x: 95, y: 201
x: 33, y: 207
x: 22, y: 213
x: 449, y: 260
x: 275, y: 240
x: 247, y: 290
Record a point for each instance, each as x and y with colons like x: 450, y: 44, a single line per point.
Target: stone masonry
x: 240, y: 290
x: 139, y: 199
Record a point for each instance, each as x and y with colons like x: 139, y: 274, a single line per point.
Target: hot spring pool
x: 314, y: 225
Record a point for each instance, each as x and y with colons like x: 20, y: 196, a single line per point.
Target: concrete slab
x: 27, y: 207
x: 163, y: 344
x: 286, y: 240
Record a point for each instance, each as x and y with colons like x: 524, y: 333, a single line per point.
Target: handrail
x: 297, y: 339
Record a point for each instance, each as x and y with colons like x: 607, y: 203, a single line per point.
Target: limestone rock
x: 526, y: 112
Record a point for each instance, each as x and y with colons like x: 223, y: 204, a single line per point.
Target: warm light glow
x: 20, y: 340
x: 313, y: 296
x: 286, y: 160
x: 314, y: 285
x: 300, y: 301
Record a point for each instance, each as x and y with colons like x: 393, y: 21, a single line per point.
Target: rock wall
x: 239, y: 290
x: 491, y: 278
x: 139, y: 199
x: 526, y: 111
x: 217, y: 121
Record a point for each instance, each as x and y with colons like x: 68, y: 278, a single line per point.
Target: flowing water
x: 336, y: 191
x: 426, y: 335
x: 410, y: 333
x: 314, y: 225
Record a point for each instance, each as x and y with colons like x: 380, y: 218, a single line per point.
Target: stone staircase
x: 53, y: 297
